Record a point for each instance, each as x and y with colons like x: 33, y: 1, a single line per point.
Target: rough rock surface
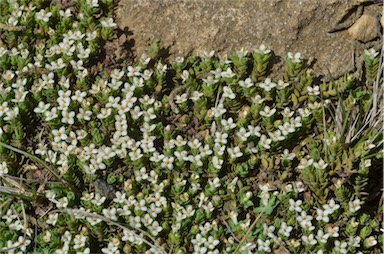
x: 190, y: 26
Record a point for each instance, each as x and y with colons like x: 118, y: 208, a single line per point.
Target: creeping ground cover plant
x: 205, y: 154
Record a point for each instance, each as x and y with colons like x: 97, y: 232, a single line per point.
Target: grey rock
x: 190, y: 26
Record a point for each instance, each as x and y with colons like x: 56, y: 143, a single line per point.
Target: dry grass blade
x: 248, y: 231
x: 16, y: 193
x: 41, y: 162
x: 377, y: 89
x: 10, y: 249
x: 77, y: 212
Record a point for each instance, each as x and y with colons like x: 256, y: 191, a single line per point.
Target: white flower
x: 206, y: 55
x: 295, y: 205
x: 91, y: 35
x: 196, y: 160
x: 93, y: 221
x: 11, y: 114
x: 332, y: 231
x: 295, y: 58
x: 234, y: 152
x: 371, y: 53
x: 8, y: 75
x: 371, y: 241
x: 305, y: 163
x: 98, y: 200
x: 59, y: 134
x: 112, y: 247
x: 228, y: 93
x: 320, y: 164
x: 86, y: 115
x: 195, y: 144
x: 304, y: 219
x: 108, y: 23
x: 110, y: 213
x: 217, y: 111
x: 10, y: 215
x: 22, y: 243
x: 128, y: 236
x: 79, y: 96
x: 3, y: 51
x: 146, y: 100
x: 299, y: 186
x: 65, y: 14
x: 330, y: 207
x: 216, y: 162
x: 93, y: 3
x: 52, y: 218
x: 3, y: 168
x: 285, y: 230
x: 168, y: 162
x: 198, y: 240
x: 288, y: 156
x: 79, y: 241
x: 354, y: 241
x: 315, y: 90
x: 155, y: 228
x: 221, y: 138
x: 77, y: 65
x: 310, y: 240
x: 267, y: 111
x: 181, y: 98
x: 267, y: 85
x: 304, y: 112
x: 264, y: 245
x: 263, y: 50
x: 133, y: 71
x: 296, y: 122
x: 210, y: 80
x: 255, y: 131
x: 148, y: 114
x: 287, y: 128
x: 215, y: 183
x: 287, y: 112
x: 265, y: 142
x: 205, y: 151
x: 68, y: 117
x: 341, y: 247
x: 98, y: 163
x: 354, y: 205
x: 105, y: 112
x: 281, y: 84
x: 228, y: 124
x: 269, y: 230
x: 62, y: 202
x: 43, y: 15
x: 228, y: 73
x: 322, y: 215
x: 196, y: 95
x: 321, y: 237
x: 246, y: 84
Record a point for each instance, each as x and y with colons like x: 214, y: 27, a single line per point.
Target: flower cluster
x: 208, y: 154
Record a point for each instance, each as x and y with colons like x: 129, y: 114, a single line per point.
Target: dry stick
x: 325, y: 129
x: 36, y: 159
x: 75, y: 212
x: 248, y: 231
x: 230, y: 231
x: 30, y: 180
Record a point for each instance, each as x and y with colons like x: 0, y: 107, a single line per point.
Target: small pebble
x: 364, y: 29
